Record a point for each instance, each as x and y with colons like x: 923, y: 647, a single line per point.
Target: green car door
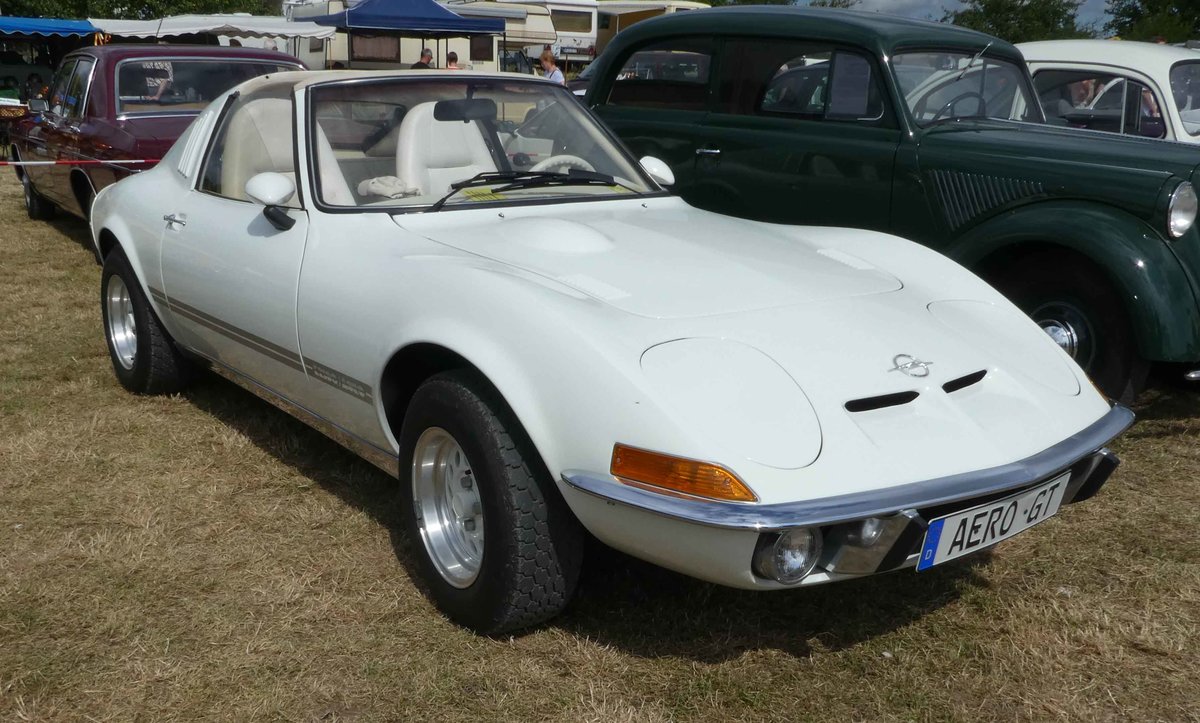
x: 799, y: 133
x: 660, y: 99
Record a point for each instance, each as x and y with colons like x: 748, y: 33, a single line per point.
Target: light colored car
x: 1121, y: 86
x: 542, y: 348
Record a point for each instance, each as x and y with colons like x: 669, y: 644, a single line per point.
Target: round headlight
x: 790, y: 556
x: 1181, y: 212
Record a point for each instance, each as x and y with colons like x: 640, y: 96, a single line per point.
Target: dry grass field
x: 205, y: 556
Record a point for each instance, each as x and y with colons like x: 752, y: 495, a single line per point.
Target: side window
x: 255, y: 136
x: 671, y: 74
x: 1099, y: 102
x: 77, y: 88
x: 1143, y: 112
x: 1084, y: 99
x: 799, y: 80
x: 58, y: 88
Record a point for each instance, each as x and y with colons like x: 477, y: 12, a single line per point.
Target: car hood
x: 655, y: 261
x: 1032, y: 141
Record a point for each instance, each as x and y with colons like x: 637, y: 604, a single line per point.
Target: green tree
x: 833, y: 3
x: 144, y: 10
x: 1172, y: 20
x: 1019, y: 21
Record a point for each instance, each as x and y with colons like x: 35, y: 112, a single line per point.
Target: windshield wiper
x: 526, y: 179
x: 574, y: 177
x: 977, y: 56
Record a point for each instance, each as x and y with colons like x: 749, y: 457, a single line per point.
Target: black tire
x: 532, y: 544
x: 151, y: 364
x: 37, y: 206
x: 1063, y: 289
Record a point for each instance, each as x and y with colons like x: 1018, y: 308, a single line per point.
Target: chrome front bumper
x: 910, y: 506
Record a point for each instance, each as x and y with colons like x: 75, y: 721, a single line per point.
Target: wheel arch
x: 1154, y: 286
x: 412, y: 364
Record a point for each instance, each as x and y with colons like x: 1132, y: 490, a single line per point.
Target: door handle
x: 708, y: 151
x: 172, y: 219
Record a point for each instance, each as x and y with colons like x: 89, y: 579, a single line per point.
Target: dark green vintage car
x: 931, y: 132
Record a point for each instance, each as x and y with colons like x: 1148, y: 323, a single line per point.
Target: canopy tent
x: 414, y: 18
x: 242, y: 26
x: 523, y: 24
x: 45, y: 27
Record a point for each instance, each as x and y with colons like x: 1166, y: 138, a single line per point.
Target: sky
x: 1092, y: 11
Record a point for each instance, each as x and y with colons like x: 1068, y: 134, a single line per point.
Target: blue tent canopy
x: 45, y: 26
x: 418, y: 18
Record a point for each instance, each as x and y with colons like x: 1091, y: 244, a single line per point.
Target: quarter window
x: 255, y: 136
x: 673, y: 74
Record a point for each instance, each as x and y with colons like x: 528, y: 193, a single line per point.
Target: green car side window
x: 798, y: 80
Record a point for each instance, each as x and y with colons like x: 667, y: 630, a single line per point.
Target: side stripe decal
x: 342, y: 382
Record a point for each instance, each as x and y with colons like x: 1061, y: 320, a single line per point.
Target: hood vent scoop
x: 867, y: 404
x: 963, y: 382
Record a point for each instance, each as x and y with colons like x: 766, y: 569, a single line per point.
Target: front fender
x: 573, y: 383
x: 1155, y: 285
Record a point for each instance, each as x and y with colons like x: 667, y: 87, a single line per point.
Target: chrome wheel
x: 122, y: 327
x: 1068, y: 327
x: 448, y: 507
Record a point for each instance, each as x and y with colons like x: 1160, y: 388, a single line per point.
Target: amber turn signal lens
x: 690, y: 477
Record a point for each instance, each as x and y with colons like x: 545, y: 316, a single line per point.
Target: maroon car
x: 121, y: 102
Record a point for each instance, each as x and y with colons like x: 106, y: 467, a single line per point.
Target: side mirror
x: 38, y: 105
x: 658, y: 170
x: 272, y: 189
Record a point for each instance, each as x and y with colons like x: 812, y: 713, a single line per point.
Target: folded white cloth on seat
x: 386, y: 186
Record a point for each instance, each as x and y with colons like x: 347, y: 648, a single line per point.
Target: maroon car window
x: 58, y: 86
x: 77, y: 88
x: 167, y: 85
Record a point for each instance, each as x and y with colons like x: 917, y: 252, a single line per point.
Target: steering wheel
x: 956, y: 100
x: 565, y: 162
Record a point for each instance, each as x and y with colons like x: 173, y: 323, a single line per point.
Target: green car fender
x: 1156, y: 287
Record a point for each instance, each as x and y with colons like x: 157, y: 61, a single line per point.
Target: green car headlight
x: 1181, y: 211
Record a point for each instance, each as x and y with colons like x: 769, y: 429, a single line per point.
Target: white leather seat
x: 432, y: 154
x: 258, y: 139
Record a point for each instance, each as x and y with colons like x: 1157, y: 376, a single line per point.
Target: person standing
x: 426, y: 59
x: 550, y: 69
x: 452, y: 61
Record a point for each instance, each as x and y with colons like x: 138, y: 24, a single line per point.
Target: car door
x: 229, y: 274
x: 72, y: 132
x: 659, y: 100
x: 45, y: 136
x: 799, y: 133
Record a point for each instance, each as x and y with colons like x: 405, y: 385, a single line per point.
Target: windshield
x: 174, y: 84
x: 442, y: 143
x: 944, y: 85
x: 1185, y: 87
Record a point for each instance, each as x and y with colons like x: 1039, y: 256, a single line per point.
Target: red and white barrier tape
x: 118, y: 163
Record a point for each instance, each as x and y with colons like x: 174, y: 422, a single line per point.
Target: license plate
x: 981, y: 527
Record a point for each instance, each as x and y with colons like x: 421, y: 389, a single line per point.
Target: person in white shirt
x: 550, y: 69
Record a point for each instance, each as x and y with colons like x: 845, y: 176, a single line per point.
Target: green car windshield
x: 944, y: 85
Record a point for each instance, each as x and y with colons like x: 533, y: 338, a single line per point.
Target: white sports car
x: 467, y: 281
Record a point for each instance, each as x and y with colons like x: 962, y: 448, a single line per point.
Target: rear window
x: 181, y: 84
